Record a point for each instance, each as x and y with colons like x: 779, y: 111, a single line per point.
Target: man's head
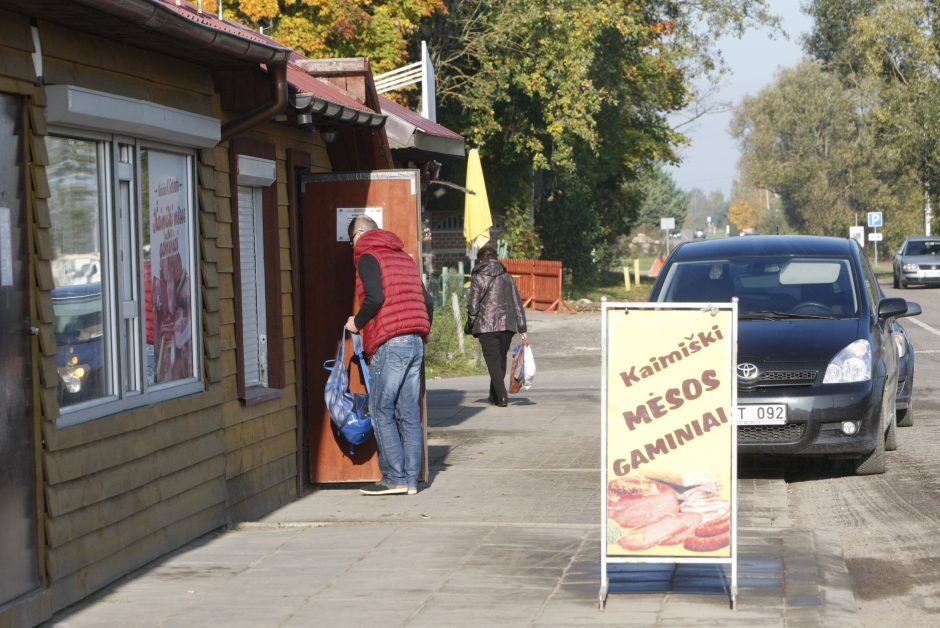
x: 360, y: 224
x: 487, y: 252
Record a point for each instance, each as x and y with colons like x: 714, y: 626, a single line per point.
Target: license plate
x: 766, y: 414
x: 931, y: 273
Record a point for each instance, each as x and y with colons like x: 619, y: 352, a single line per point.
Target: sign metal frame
x: 607, y: 309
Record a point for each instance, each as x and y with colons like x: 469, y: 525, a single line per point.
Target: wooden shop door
x: 329, y: 201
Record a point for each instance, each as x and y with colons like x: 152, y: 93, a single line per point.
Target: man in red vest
x: 394, y: 319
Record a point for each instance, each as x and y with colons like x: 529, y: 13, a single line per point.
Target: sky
x: 710, y: 161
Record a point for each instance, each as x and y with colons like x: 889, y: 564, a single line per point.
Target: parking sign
x: 874, y: 219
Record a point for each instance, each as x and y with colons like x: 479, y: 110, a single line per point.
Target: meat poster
x: 171, y: 260
x: 670, y: 464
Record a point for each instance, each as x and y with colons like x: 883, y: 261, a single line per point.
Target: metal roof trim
x: 185, y: 22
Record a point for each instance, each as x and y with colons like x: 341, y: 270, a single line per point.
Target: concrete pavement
x: 505, y: 533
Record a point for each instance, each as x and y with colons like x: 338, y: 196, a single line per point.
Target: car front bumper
x: 814, y: 421
x: 925, y: 277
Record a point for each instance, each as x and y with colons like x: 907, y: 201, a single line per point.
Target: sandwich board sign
x: 668, y: 437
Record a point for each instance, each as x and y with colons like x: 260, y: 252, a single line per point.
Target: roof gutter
x: 155, y: 15
x: 277, y: 105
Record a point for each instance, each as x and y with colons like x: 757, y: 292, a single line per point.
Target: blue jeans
x: 394, y: 403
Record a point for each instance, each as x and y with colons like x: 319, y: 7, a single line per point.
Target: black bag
x: 468, y: 327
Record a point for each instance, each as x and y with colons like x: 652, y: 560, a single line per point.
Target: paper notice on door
x: 6, y: 248
x: 344, y: 216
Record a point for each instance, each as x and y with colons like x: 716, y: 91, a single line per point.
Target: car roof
x: 764, y: 245
x: 922, y: 239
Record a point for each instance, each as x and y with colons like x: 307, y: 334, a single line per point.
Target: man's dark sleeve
x: 370, y: 274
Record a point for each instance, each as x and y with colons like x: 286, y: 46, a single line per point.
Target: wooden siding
x: 261, y: 441
x: 123, y: 490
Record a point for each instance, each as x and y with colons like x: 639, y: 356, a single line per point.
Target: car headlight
x: 852, y: 364
x: 909, y: 268
x: 901, y: 345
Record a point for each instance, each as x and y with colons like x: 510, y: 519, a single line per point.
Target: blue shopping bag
x: 349, y: 411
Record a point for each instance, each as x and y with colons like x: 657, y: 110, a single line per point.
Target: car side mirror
x: 913, y: 309
x: 892, y: 307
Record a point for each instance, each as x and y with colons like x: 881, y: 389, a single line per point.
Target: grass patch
x: 442, y: 356
x: 610, y: 284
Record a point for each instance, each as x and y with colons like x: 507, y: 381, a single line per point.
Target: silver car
x: 917, y: 262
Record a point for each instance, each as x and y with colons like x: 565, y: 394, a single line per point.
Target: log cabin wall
x: 263, y: 455
x: 122, y: 490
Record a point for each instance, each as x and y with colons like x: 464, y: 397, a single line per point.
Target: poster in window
x: 171, y: 260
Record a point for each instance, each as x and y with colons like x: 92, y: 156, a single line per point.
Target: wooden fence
x: 539, y: 282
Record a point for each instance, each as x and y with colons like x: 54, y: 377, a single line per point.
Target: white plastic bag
x: 528, y: 369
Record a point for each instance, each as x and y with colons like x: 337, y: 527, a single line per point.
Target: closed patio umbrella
x: 476, y: 213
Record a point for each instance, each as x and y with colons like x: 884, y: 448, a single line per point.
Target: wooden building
x: 168, y: 293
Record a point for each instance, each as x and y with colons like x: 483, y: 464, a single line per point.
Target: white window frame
x: 122, y: 279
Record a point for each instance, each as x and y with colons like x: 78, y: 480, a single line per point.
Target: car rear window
x: 779, y: 284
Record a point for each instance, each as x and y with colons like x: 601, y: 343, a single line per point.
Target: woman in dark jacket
x: 494, y: 315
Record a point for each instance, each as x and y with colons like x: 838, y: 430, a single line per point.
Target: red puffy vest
x: 404, y: 310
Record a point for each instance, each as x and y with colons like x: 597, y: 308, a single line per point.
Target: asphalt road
x: 889, y: 523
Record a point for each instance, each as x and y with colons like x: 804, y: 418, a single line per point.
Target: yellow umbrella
x: 476, y: 209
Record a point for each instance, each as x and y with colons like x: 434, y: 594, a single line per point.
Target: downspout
x: 278, y: 75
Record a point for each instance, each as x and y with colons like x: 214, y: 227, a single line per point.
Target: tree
x: 570, y: 99
x: 383, y: 30
x: 662, y: 198
x: 801, y: 139
x: 743, y: 215
x: 888, y: 51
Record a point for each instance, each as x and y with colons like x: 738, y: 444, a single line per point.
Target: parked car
x: 917, y: 262
x: 818, y: 345
x: 78, y: 335
x: 905, y: 408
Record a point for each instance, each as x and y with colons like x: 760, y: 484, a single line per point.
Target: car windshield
x: 767, y: 287
x: 77, y: 313
x: 923, y: 247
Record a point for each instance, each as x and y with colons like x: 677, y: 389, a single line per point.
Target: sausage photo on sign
x: 672, y: 509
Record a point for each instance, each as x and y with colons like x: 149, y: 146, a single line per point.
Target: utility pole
x: 927, y: 208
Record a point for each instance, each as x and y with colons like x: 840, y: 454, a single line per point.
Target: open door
x: 329, y: 202
x: 19, y: 525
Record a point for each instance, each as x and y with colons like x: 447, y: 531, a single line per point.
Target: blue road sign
x: 875, y: 219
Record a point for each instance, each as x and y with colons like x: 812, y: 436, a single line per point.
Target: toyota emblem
x: 747, y: 371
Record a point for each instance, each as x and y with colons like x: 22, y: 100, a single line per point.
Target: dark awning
x: 412, y: 137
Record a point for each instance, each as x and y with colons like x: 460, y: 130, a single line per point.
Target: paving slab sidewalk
x: 505, y: 533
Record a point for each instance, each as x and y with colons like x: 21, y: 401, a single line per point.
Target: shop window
x: 123, y: 231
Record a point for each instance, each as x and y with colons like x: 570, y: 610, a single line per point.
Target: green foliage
x: 383, y: 30
x: 568, y: 100
x: 442, y: 356
x: 859, y: 131
x: 520, y: 234
x: 662, y: 198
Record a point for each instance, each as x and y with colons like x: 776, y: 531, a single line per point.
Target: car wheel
x: 896, y: 282
x: 891, y: 438
x: 874, y: 462
x: 906, y: 416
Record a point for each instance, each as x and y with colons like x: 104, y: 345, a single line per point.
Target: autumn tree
x: 743, y: 215
x: 383, y: 30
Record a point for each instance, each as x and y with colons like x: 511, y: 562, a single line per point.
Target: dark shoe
x: 383, y: 489
x: 502, y: 403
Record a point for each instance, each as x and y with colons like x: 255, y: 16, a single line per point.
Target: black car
x: 79, y: 348
x: 917, y: 262
x: 818, y: 360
